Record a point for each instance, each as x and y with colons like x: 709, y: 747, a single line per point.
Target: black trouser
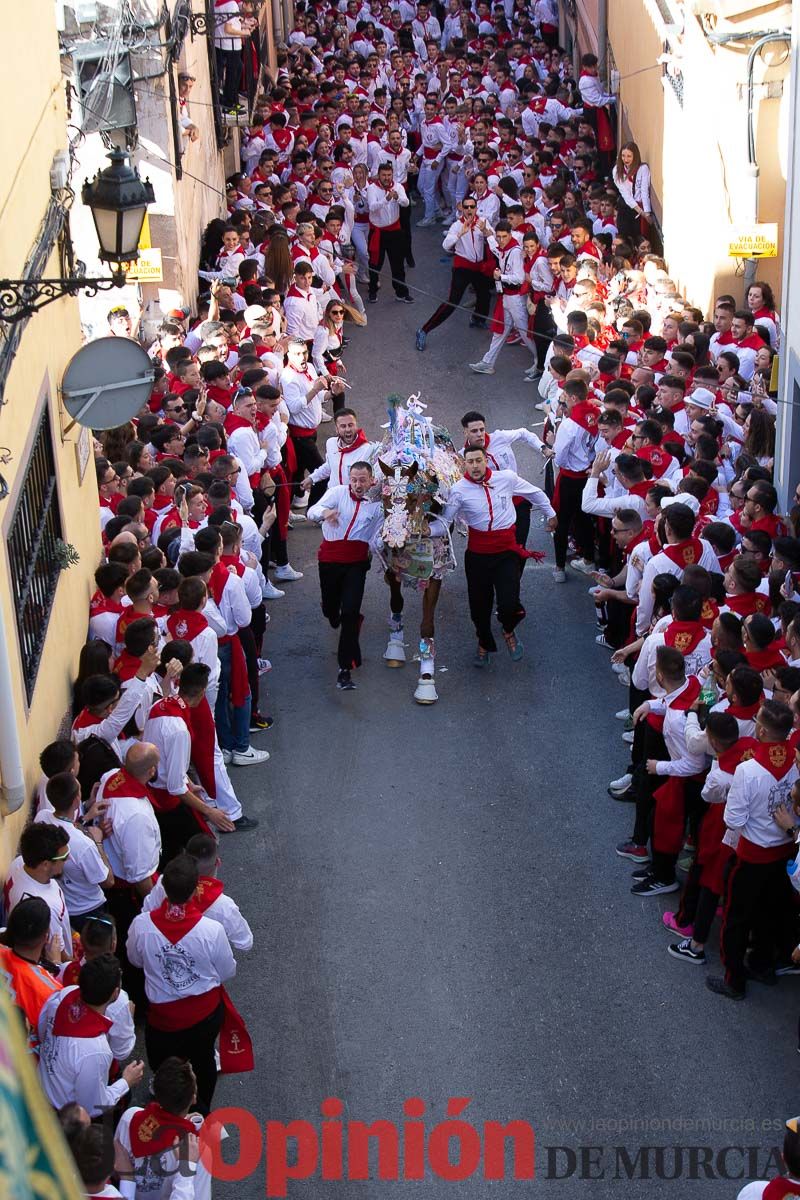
x: 177, y: 826
x: 544, y: 330
x: 79, y: 920
x: 522, y: 526
x: 490, y: 577
x: 759, y: 911
x: 618, y: 623
x: 392, y: 245
x: 628, y: 223
x: 229, y: 74
x: 342, y: 589
x: 651, y: 744
x: 460, y: 280
x: 308, y: 459
x: 571, y: 515
x: 195, y: 1044
x: 124, y: 904
x: 250, y: 648
x: 698, y: 905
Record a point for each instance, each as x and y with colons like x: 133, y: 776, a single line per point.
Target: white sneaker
x: 622, y: 784
x: 264, y: 665
x: 559, y: 576
x: 326, y: 417
x: 297, y: 518
x: 287, y: 574
x: 542, y: 406
x: 618, y: 668
x: 270, y: 592
x: 624, y: 677
x: 583, y: 564
x: 531, y: 374
x: 481, y: 368
x: 300, y: 501
x: 623, y: 714
x: 249, y: 757
x: 628, y: 737
x: 425, y: 224
x: 226, y: 755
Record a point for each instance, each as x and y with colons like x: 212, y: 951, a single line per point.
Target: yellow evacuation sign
x: 147, y: 268
x: 758, y: 241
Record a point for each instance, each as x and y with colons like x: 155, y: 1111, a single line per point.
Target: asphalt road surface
x: 437, y: 907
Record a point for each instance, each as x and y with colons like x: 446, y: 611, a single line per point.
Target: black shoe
x: 344, y: 683
x: 410, y: 263
x: 626, y: 797
x: 257, y: 722
x: 477, y: 323
x: 715, y: 983
x: 372, y: 299
x: 654, y: 887
x: 642, y: 873
x: 765, y: 977
x: 404, y: 299
x: 245, y: 824
x: 345, y: 342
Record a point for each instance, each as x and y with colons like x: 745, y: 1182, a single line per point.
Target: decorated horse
x: 419, y: 464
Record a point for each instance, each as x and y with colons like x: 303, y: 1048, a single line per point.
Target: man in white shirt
x: 303, y: 392
x: 86, y: 872
x: 509, y: 277
x: 466, y: 241
x: 302, y: 307
x: 385, y: 197
x: 44, y: 848
x: 75, y: 1055
x: 229, y: 30
x: 349, y: 524
x: 348, y: 446
x: 210, y: 895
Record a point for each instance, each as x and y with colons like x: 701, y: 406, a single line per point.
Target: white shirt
x: 295, y: 386
x: 134, y: 845
x: 499, y: 452
x: 754, y: 797
x: 225, y: 11
x: 200, y: 961
x: 574, y: 446
x: 19, y: 885
x: 467, y: 243
x: 112, y: 726
x: 303, y: 314
x: 161, y: 1176
x: 358, y: 520
x: 75, y: 1068
x: 643, y: 675
x: 172, y: 737
x: 489, y: 505
x: 224, y: 910
x: 84, y: 870
x: 384, y: 212
x: 682, y: 762
x: 606, y: 506
x: 661, y: 564
x: 339, y: 459
x: 488, y: 208
x: 635, y: 192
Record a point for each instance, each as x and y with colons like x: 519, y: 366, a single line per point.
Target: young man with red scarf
x: 348, y: 446
x: 661, y: 811
x: 759, y: 909
x: 679, y: 549
x: 573, y: 453
x: 759, y: 510
x: 187, y: 624
x: 210, y: 895
x: 349, y: 524
x: 510, y: 313
x: 182, y: 806
x: 159, y: 1142
x: 743, y: 588
x: 303, y: 392
x: 466, y: 241
x: 493, y: 559
x: 105, y: 606
x: 187, y: 959
x: 500, y: 457
x: 385, y: 197
x: 75, y: 1055
x: 683, y: 630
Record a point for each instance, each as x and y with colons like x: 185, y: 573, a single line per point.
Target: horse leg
x: 426, y: 687
x: 395, y: 652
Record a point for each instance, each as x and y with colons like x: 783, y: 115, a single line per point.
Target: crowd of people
x: 658, y: 438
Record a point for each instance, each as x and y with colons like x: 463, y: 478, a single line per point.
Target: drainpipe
x: 277, y: 22
x: 752, y: 171
x: 12, y: 777
x: 602, y: 40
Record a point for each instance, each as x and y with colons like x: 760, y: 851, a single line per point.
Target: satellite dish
x: 107, y: 382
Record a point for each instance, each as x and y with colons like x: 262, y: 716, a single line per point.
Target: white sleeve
x: 328, y: 501
x: 239, y: 932
x: 537, y: 497
x: 222, y: 958
x: 737, y: 806
x: 129, y: 701
x: 92, y: 1090
x: 696, y: 738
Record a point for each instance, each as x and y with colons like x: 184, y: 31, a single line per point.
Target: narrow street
x: 436, y: 902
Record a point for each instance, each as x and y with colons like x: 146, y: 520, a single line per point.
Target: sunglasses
x: 60, y: 857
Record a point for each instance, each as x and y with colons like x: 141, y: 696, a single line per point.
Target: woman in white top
x: 326, y: 351
x: 632, y: 180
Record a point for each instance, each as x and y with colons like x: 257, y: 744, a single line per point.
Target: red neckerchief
x: 765, y: 660
x: 102, y: 604
x: 216, y: 584
x: 295, y: 291
x: 185, y: 625
x: 480, y: 482
x: 207, y: 891
x: 687, y: 697
x: 584, y: 414
x: 641, y: 489
x: 749, y: 603
x: 75, y: 1019
x: 124, y: 779
x: 659, y: 459
x: 644, y: 535
x: 775, y: 757
x: 234, y: 422
x: 153, y: 1130
x: 770, y: 524
x: 126, y: 666
x: 160, y: 502
x: 684, y: 635
x: 684, y: 554
x: 729, y: 759
x: 709, y: 612
x: 85, y: 720
x: 230, y: 560
x: 359, y: 440
x: 174, y: 921
x: 127, y: 617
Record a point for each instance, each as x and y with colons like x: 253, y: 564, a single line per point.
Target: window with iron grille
x: 34, y: 565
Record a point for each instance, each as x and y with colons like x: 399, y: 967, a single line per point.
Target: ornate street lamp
x: 118, y: 199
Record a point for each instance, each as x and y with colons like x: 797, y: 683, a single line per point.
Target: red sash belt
x: 362, y: 219
x: 235, y: 1046
x: 163, y: 801
x: 343, y: 551
x: 429, y: 154
x: 564, y: 472
x: 748, y: 851
x: 301, y: 431
x: 495, y: 541
x: 374, y: 240
x: 240, y: 686
x: 466, y: 264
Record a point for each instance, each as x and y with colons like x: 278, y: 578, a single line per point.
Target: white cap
x: 682, y: 498
x: 253, y: 312
x: 701, y: 398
